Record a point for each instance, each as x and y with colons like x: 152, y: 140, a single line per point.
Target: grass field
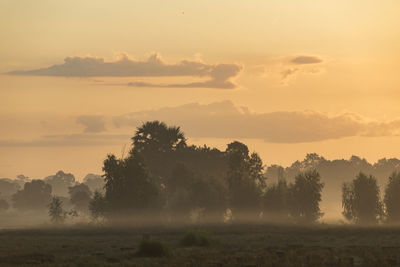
x: 227, y: 245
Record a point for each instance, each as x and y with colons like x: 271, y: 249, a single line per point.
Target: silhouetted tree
x: 361, y: 201
x: 245, y: 181
x: 157, y: 136
x: 80, y: 197
x: 60, y: 182
x: 8, y: 187
x: 209, y: 196
x: 4, y: 205
x: 129, y: 188
x: 392, y: 198
x: 179, y: 193
x: 98, y: 207
x: 335, y: 172
x: 305, y: 196
x: 56, y: 211
x: 275, y: 201
x: 35, y: 195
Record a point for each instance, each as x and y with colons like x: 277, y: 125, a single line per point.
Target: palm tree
x: 157, y: 136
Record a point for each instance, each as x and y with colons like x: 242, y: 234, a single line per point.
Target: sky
x: 285, y: 77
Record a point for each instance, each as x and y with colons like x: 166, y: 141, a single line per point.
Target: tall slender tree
x: 245, y: 181
x: 305, y: 196
x: 361, y: 200
x: 392, y: 198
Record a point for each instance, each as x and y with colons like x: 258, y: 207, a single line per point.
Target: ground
x: 231, y: 245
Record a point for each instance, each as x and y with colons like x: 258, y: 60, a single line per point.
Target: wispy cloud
x: 225, y: 120
x: 301, y: 60
x: 304, y: 64
x: 219, y: 120
x: 216, y: 75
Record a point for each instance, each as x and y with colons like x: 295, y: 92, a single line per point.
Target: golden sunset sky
x: 285, y: 77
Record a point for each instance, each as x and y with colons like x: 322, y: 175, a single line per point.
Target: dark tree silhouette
x: 98, y: 207
x: 210, y: 198
x: 187, y: 192
x: 157, y: 136
x: 275, y: 202
x: 56, y: 211
x: 80, y: 196
x: 35, y: 196
x: 335, y: 172
x: 8, y: 187
x: 361, y: 201
x: 305, y: 196
x: 392, y: 198
x: 180, y: 200
x: 245, y: 181
x: 129, y: 188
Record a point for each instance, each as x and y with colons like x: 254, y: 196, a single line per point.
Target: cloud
x: 303, y: 65
x: 92, y: 123
x: 220, y: 76
x: 288, y: 73
x: 301, y: 60
x: 217, y: 75
x: 225, y: 120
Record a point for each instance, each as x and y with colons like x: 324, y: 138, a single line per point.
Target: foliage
x: 153, y: 248
x: 56, y: 211
x: 245, y: 181
x: 34, y: 196
x: 80, y: 196
x: 209, y: 196
x: 305, y: 196
x: 196, y: 238
x: 275, y: 201
x: 392, y: 198
x: 98, y: 207
x: 129, y: 187
x: 361, y: 201
x: 8, y: 187
x: 157, y: 136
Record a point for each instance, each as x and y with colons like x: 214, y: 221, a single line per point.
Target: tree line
x: 24, y: 194
x: 163, y: 179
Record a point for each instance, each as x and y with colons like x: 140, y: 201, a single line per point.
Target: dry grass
x: 238, y: 245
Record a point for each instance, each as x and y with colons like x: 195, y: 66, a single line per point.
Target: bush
x: 153, y: 248
x: 196, y: 238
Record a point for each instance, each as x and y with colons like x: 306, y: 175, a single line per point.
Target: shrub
x: 196, y: 238
x: 153, y: 248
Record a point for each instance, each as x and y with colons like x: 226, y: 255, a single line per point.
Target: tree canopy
x: 361, y: 200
